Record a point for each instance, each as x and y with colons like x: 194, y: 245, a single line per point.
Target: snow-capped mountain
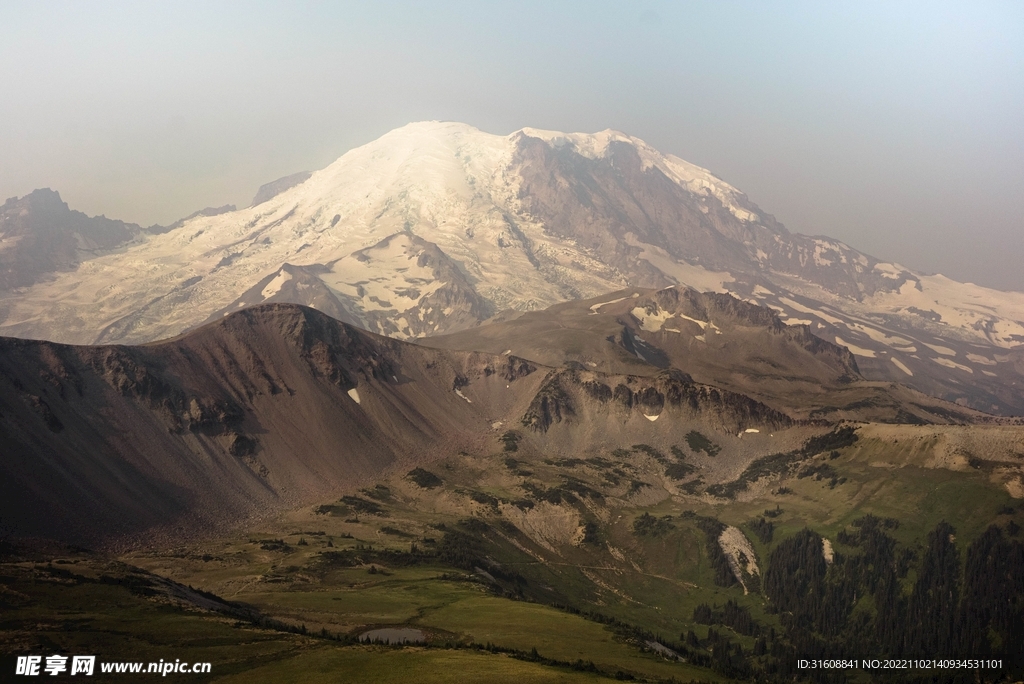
x: 437, y: 226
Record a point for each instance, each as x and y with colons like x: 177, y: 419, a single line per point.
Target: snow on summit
x: 436, y: 226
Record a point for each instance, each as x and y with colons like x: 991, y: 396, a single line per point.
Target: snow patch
x: 902, y: 366
x: 891, y: 271
x: 702, y: 324
x: 595, y: 308
x: 354, y: 393
x: 991, y: 316
x: 879, y: 336
x: 805, y: 309
x: 696, y: 277
x: 652, y: 322
x: 275, y: 285
x: 652, y: 418
x: 468, y: 400
x: 939, y: 349
x: 952, y: 364
x: 859, y: 351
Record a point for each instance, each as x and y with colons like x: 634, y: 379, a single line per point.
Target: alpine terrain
x: 436, y: 227
x: 464, y: 407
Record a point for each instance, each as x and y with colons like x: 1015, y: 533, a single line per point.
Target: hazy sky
x: 896, y: 127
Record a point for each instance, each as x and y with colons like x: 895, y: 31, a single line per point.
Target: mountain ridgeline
x: 278, y: 405
x: 438, y: 226
x: 563, y: 379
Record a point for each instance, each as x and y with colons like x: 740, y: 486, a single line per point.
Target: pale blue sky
x: 896, y: 127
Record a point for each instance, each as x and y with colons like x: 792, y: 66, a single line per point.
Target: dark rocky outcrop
x: 272, y: 189
x: 46, y: 237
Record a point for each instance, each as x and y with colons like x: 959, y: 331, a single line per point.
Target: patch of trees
x: 763, y: 529
x: 510, y: 440
x: 974, y: 612
x: 361, y: 505
x: 591, y: 533
x: 635, y: 486
x: 693, y: 486
x: 481, y: 497
x: 732, y: 615
x: 698, y: 443
x: 573, y: 485
x: 379, y: 492
x: 712, y: 529
x: 565, y: 462
x: 679, y: 471
x: 458, y: 549
x: 838, y: 438
x: 780, y: 463
x: 568, y: 492
x: 650, y: 451
x: 424, y: 478
x: 861, y: 603
x: 647, y: 525
x: 514, y: 466
x: 464, y: 548
x: 365, y: 554
x: 822, y: 471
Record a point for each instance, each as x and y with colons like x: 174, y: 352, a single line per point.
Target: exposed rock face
x: 40, y: 236
x: 437, y: 297
x: 207, y: 212
x: 558, y: 400
x: 715, y: 338
x: 269, y: 191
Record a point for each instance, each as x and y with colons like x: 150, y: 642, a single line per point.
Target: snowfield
x: 436, y: 226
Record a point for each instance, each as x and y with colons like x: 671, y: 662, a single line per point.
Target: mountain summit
x: 437, y: 226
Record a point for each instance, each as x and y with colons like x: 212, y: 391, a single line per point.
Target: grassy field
x: 374, y: 665
x: 341, y: 571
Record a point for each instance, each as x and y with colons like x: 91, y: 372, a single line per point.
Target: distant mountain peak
x: 269, y: 191
x: 437, y: 225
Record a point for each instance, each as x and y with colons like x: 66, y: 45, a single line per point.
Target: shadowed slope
x: 267, y: 409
